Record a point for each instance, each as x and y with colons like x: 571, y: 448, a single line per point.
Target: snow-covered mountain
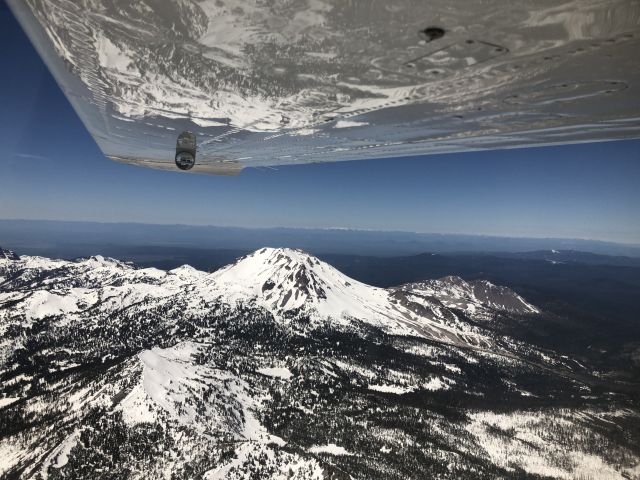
x: 479, y: 298
x: 279, y: 366
x: 284, y: 282
x: 8, y: 255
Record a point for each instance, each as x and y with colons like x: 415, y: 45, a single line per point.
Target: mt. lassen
x: 279, y: 366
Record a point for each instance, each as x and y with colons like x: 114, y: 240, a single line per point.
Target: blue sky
x: 52, y: 169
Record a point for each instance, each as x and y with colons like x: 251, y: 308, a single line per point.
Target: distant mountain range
x: 279, y: 366
x: 74, y: 239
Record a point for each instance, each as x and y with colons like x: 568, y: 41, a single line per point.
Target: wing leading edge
x: 266, y: 85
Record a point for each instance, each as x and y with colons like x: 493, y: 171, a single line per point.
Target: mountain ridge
x: 274, y: 368
x: 289, y: 281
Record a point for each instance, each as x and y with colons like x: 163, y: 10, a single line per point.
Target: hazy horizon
x: 70, y: 239
x: 325, y: 228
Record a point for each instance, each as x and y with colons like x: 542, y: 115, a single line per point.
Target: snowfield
x: 281, y: 367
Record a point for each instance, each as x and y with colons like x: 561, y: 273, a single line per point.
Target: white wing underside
x: 276, y: 83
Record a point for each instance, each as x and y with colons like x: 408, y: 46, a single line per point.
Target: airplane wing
x: 273, y: 83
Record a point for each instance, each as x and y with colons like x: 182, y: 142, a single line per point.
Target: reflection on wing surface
x: 327, y: 80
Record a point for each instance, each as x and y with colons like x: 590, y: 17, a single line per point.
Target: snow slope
x: 284, y: 282
x: 280, y: 367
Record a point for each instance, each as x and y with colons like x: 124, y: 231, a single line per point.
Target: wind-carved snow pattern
x: 171, y: 386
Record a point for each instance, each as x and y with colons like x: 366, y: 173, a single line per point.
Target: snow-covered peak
x: 285, y: 279
x: 270, y: 271
x: 58, y: 274
x: 286, y: 282
x: 472, y: 296
x: 8, y: 255
x: 99, y: 261
x: 187, y: 273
